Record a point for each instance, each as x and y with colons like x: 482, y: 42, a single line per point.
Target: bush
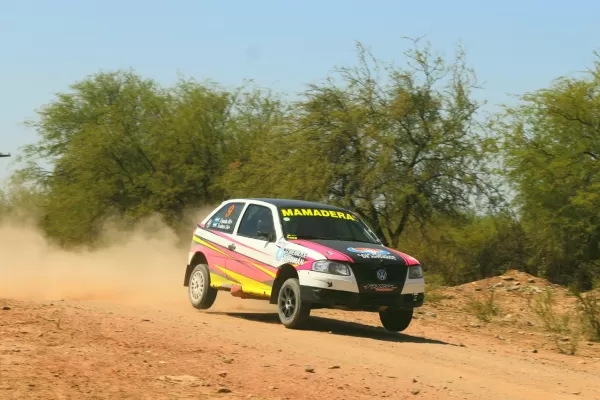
x: 565, y: 328
x: 484, y: 309
x: 588, y: 305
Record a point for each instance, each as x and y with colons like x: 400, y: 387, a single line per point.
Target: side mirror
x: 268, y: 236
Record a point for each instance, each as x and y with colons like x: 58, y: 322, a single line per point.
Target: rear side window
x: 225, y: 219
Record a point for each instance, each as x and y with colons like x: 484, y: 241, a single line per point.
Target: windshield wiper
x: 352, y: 239
x: 345, y: 238
x: 311, y: 237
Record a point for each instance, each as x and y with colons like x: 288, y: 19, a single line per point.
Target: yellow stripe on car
x: 210, y: 246
x: 248, y: 285
x: 263, y: 269
x: 218, y: 281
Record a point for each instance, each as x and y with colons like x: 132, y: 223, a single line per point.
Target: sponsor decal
x: 380, y: 287
x: 280, y: 253
x: 365, y: 250
x: 223, y: 223
x: 381, y: 274
x: 313, y: 212
x: 282, y: 243
x: 290, y: 236
x: 372, y: 253
x: 230, y: 210
x: 290, y: 256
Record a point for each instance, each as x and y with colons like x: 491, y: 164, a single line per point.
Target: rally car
x: 301, y: 256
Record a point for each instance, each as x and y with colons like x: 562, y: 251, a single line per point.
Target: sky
x: 46, y: 45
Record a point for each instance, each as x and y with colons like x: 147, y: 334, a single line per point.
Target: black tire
x: 396, y: 320
x: 293, y: 312
x: 201, y: 295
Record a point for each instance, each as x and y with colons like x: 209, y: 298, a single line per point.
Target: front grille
x: 366, y: 274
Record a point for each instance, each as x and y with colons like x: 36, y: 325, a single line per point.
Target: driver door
x: 255, y: 250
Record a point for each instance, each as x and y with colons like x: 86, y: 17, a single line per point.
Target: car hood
x: 358, y: 252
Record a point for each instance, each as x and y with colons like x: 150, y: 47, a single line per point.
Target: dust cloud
x: 143, y: 266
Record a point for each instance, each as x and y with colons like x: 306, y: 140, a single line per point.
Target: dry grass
x: 565, y: 327
x: 486, y: 308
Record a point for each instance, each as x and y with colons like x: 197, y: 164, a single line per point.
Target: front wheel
x: 293, y: 313
x: 396, y: 320
x: 201, y: 294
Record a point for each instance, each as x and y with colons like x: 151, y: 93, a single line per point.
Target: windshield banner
x: 313, y: 212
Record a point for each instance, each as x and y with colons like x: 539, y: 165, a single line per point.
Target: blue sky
x: 46, y: 45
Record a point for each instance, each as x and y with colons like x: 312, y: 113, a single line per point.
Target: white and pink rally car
x: 301, y: 256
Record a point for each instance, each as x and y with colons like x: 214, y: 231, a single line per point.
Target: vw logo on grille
x: 381, y: 274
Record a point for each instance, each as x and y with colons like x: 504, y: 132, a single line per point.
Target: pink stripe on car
x: 328, y: 252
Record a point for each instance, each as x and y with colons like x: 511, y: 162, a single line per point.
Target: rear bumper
x: 359, y: 301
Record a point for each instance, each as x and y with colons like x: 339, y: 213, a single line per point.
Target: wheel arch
x: 284, y: 272
x: 197, y: 258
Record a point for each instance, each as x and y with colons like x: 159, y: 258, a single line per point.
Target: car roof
x: 290, y: 203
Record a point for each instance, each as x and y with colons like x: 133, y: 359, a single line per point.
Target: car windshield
x: 325, y: 224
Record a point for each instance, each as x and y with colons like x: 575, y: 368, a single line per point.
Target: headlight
x: 331, y: 267
x: 415, y: 272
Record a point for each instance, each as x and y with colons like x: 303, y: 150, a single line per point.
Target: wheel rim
x: 287, y: 302
x: 197, y: 286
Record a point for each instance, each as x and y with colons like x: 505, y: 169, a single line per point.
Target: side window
x: 225, y: 219
x: 257, y: 220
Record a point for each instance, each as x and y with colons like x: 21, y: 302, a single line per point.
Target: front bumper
x: 359, y: 301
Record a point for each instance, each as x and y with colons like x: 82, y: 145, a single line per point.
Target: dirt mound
x: 511, y: 281
x: 514, y: 308
x: 513, y: 291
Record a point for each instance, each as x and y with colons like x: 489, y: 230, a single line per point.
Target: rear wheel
x: 293, y: 313
x: 397, y: 319
x: 201, y: 295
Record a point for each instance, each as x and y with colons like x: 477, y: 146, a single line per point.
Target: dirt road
x: 107, y: 350
x: 116, y: 324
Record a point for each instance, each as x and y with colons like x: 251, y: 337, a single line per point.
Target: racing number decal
x: 229, y: 211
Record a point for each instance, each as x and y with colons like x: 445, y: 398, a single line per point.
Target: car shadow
x: 337, y: 327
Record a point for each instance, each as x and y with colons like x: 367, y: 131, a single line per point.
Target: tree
x: 120, y: 144
x: 552, y: 154
x: 396, y: 152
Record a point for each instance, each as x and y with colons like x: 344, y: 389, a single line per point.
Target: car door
x: 255, y: 249
x: 216, y: 237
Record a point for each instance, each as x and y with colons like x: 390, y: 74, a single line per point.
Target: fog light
x: 415, y: 272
